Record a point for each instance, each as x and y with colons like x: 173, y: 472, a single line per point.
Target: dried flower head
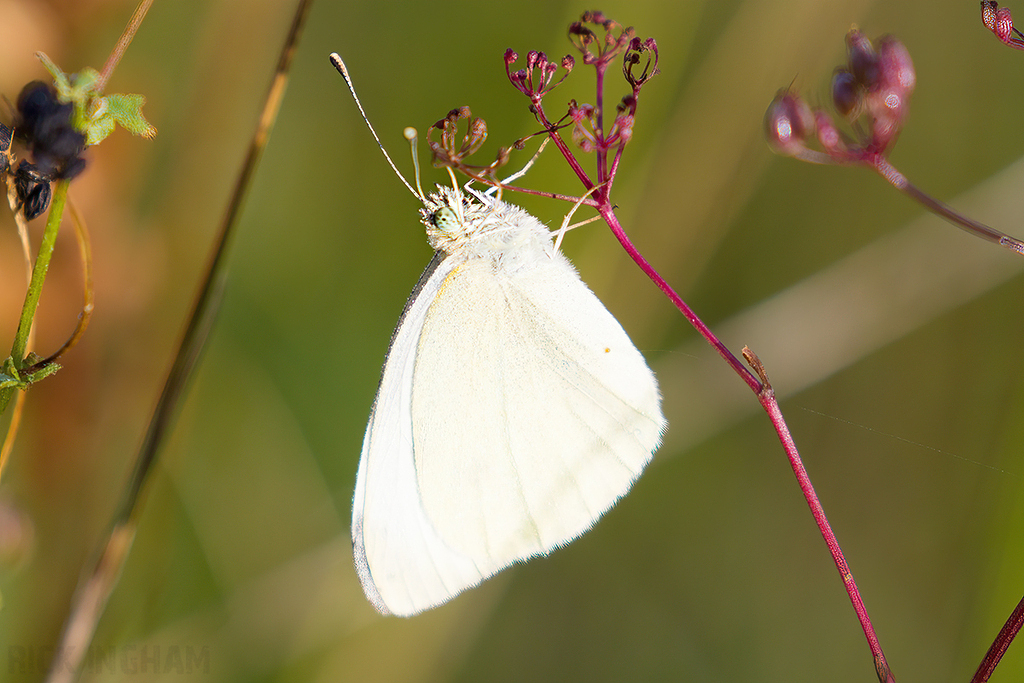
x: 452, y: 151
x: 871, y: 92
x: 537, y: 79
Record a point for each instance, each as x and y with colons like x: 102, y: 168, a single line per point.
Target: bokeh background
x: 893, y: 339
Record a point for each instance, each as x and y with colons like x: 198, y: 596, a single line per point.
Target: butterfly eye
x: 444, y: 219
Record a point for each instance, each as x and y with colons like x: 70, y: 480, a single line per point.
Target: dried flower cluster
x: 871, y: 92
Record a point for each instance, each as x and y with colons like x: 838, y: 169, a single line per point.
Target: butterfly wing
x: 403, y: 567
x: 532, y: 423
x: 517, y: 432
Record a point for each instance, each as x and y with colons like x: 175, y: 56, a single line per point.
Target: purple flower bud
x: 890, y: 103
x: 829, y: 136
x: 548, y: 69
x: 595, y: 17
x: 847, y: 94
x: 787, y: 123
x: 583, y: 139
x: 862, y: 59
x: 631, y: 58
x: 477, y: 134
x: 895, y: 67
x: 1003, y: 23
x: 624, y: 125
x: 578, y: 29
x: 580, y: 112
x: 884, y: 129
x: 988, y: 14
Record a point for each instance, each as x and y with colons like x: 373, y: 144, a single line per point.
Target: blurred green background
x: 893, y: 339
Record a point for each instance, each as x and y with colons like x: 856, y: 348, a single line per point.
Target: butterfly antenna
x: 411, y: 135
x: 343, y: 70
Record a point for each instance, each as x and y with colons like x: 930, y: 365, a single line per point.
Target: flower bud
x: 847, y: 94
x: 896, y: 70
x: 787, y: 123
x: 862, y: 59
x: 988, y: 14
x: 890, y: 103
x: 828, y: 135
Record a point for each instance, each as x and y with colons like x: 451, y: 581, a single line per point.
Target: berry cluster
x: 44, y: 125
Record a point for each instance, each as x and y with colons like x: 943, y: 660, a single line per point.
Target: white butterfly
x: 512, y: 412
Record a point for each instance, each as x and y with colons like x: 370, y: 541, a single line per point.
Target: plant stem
x: 97, y: 584
x: 766, y: 397
x: 758, y: 382
x: 613, y: 222
x: 122, y: 44
x: 602, y: 151
x: 771, y: 406
x: 35, y: 287
x: 85, y: 250
x: 1002, y: 641
x: 900, y: 182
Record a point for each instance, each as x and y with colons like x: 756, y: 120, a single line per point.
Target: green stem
x: 19, y: 348
x: 35, y: 287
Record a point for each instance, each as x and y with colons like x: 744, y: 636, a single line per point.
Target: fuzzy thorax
x: 475, y: 225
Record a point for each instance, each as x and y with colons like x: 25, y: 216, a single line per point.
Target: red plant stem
x: 616, y: 160
x: 760, y: 386
x: 766, y: 397
x: 604, y: 179
x: 602, y: 151
x: 900, y: 182
x: 566, y: 153
x: 771, y: 406
x: 613, y: 222
x: 1002, y: 641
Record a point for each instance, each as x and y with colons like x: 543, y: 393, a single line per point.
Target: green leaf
x: 125, y: 110
x: 45, y: 371
x: 97, y: 116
